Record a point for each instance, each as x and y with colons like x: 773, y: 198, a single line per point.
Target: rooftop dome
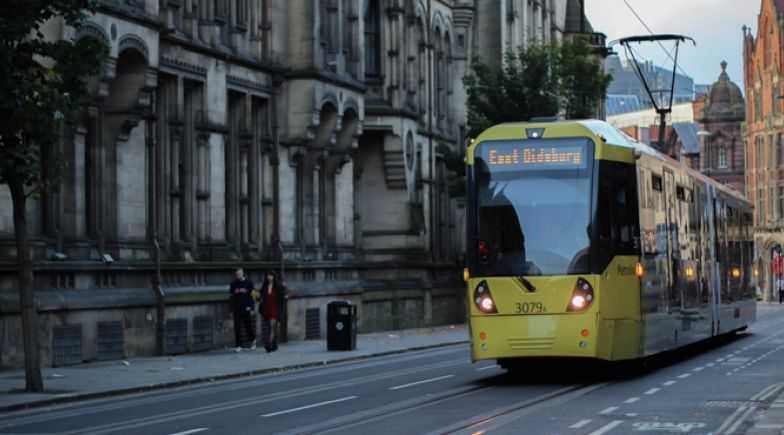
x: 724, y: 100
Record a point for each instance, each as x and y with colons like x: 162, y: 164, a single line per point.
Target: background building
x: 298, y: 135
x: 763, y: 134
x: 626, y: 90
x: 720, y: 118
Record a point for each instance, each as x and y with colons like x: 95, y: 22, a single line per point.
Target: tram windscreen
x: 533, y: 206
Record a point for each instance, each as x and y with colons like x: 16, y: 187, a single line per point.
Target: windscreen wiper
x: 527, y: 284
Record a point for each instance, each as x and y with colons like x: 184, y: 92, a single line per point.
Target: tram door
x: 673, y: 292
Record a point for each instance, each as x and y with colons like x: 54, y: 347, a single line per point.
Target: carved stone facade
x: 297, y: 135
x: 762, y: 131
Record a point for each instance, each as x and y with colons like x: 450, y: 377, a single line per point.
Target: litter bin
x: 341, y: 326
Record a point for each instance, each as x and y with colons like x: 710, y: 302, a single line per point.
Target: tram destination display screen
x: 503, y: 156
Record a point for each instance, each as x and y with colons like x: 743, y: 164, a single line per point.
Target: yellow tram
x: 584, y: 243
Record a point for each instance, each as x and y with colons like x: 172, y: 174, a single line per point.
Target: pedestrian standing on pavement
x: 242, y: 308
x: 780, y: 285
x: 272, y: 308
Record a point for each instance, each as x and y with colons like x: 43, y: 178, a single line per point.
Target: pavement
x: 134, y: 375
x: 771, y: 420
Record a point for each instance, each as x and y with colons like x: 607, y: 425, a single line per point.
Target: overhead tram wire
x: 639, y: 18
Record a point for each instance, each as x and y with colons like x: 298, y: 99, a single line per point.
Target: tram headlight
x: 487, y: 304
x: 582, y: 296
x: 484, y: 299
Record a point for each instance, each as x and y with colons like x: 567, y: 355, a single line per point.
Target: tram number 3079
x: 530, y: 308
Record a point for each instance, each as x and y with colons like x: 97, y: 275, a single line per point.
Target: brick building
x: 763, y: 131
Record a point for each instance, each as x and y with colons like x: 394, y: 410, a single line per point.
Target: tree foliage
x: 536, y: 81
x: 41, y: 83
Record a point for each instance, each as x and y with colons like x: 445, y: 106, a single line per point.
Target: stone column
x: 94, y: 177
x: 202, y: 188
x: 175, y: 141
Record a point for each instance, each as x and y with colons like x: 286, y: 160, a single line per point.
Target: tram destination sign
x: 502, y: 156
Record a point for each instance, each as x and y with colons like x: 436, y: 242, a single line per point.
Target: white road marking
x: 668, y: 383
x: 684, y: 376
x: 769, y: 426
x: 631, y: 414
x: 422, y: 382
x: 709, y: 365
x: 188, y: 432
x: 652, y: 391
x: 697, y: 369
x: 608, y: 410
x: 580, y: 424
x: 608, y: 427
x: 315, y: 405
x: 486, y: 368
x: 632, y: 400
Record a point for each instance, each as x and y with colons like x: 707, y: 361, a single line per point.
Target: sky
x: 714, y: 24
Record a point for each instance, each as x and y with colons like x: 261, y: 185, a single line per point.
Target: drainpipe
x: 431, y: 163
x: 277, y: 81
x: 160, y: 296
x: 277, y: 242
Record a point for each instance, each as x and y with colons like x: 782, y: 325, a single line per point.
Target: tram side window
x: 642, y: 189
x: 656, y: 184
x: 721, y: 246
x: 748, y: 252
x: 734, y: 257
x: 702, y: 200
x: 617, y: 214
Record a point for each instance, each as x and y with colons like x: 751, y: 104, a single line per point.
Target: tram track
x: 492, y: 417
x: 505, y: 415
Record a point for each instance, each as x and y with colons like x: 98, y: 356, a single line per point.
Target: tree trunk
x: 33, y: 378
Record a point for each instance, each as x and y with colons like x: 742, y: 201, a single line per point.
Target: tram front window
x: 533, y: 217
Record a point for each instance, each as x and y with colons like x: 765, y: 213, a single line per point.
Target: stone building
x: 721, y: 117
x: 304, y: 136
x: 762, y: 132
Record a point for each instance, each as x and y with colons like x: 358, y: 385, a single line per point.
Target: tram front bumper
x: 556, y: 335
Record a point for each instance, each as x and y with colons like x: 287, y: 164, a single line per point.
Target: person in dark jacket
x: 272, y: 307
x: 242, y: 308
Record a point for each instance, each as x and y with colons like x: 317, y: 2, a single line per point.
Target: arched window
x: 350, y: 40
x: 440, y: 88
x: 722, y: 158
x: 421, y: 57
x: 372, y: 38
x: 767, y: 41
x: 447, y: 65
x: 780, y: 148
